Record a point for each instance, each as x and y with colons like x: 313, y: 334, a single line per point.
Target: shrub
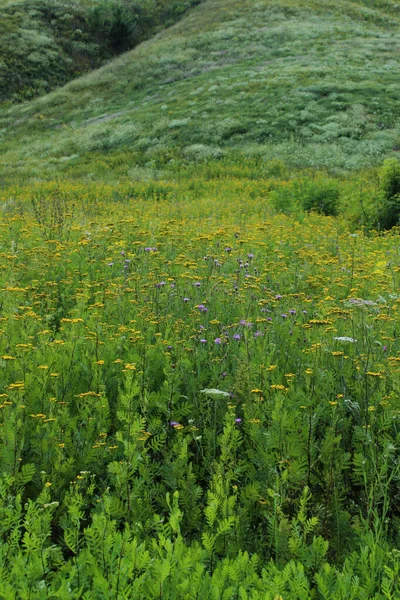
x: 389, y: 207
x: 282, y: 198
x: 201, y: 152
x: 320, y: 196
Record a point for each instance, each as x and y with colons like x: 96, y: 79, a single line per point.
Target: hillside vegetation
x: 45, y: 43
x: 315, y: 84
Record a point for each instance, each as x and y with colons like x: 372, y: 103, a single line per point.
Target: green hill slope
x: 315, y: 84
x: 46, y: 43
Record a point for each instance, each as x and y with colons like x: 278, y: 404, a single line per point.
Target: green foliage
x: 199, y: 391
x: 321, y: 196
x: 198, y: 395
x: 389, y: 208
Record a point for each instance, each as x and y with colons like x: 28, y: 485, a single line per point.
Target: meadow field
x: 199, y: 397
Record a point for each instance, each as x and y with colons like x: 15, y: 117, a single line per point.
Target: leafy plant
x: 389, y: 206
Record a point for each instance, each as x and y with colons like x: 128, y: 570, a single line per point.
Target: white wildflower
x: 215, y: 393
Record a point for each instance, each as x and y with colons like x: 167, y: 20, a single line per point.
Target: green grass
x: 313, y: 84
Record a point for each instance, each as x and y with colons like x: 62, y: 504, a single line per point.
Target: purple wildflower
x: 202, y: 308
x: 238, y: 420
x: 236, y: 336
x: 217, y: 340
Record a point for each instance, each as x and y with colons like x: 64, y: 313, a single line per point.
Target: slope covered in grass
x: 45, y: 43
x: 313, y: 83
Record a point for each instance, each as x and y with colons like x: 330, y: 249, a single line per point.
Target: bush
x: 282, y: 198
x: 389, y: 207
x: 321, y: 196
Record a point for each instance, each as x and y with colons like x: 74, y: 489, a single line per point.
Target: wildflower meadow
x: 199, y: 397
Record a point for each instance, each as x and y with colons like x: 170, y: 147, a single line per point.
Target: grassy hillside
x: 45, y: 43
x: 315, y: 84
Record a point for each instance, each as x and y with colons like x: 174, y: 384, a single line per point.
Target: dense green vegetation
x: 45, y: 43
x: 199, y: 397
x: 199, y: 311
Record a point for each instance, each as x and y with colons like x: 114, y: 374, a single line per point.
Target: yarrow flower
x: 361, y: 302
x: 345, y: 339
